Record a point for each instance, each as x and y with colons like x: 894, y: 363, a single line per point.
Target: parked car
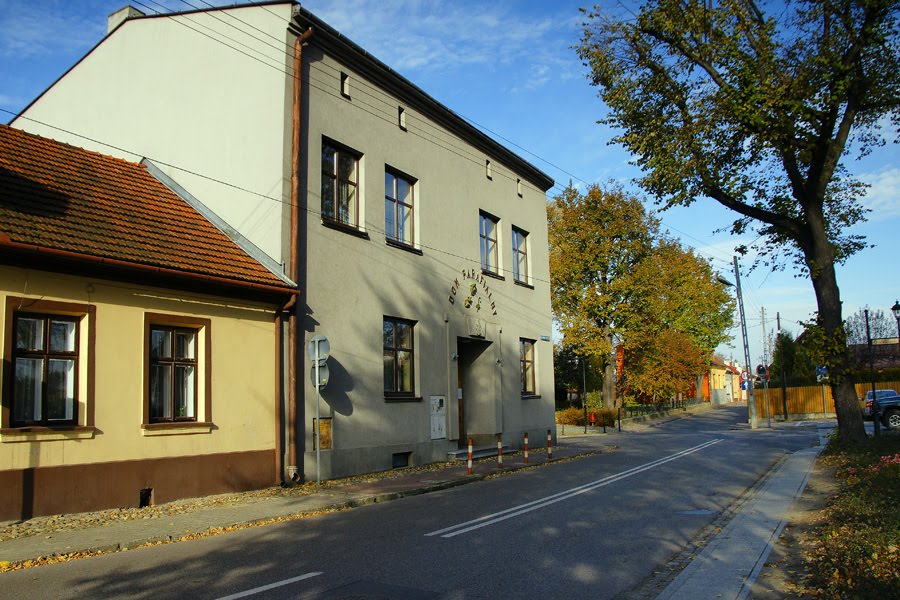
x: 888, y: 406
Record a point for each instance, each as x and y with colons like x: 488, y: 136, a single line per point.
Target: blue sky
x: 509, y: 67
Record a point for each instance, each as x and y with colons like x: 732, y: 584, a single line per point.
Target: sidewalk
x: 49, y: 539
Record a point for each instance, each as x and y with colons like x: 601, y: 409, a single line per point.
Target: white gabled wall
x: 194, y: 92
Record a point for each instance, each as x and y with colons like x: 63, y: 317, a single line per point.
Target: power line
x: 284, y: 47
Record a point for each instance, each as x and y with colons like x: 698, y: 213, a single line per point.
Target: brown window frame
x: 397, y: 203
x: 394, y: 350
x: 84, y: 317
x: 527, y: 365
x: 339, y: 150
x: 202, y: 329
x: 491, y: 266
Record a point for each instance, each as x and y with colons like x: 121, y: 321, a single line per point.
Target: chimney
x: 120, y: 16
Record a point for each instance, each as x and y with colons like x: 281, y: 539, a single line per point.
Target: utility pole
x: 751, y: 401
x: 783, y: 376
x: 766, y: 365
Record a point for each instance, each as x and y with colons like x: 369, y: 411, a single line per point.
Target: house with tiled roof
x: 139, y: 339
x: 418, y: 241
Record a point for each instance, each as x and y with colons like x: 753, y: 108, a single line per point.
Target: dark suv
x: 888, y: 406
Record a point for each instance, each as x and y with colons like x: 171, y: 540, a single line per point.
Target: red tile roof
x: 59, y: 197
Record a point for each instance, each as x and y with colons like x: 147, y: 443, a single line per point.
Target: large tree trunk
x: 846, y: 404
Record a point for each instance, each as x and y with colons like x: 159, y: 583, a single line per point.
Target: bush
x: 575, y: 416
x: 857, y: 554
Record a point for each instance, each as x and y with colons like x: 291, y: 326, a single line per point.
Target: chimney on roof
x: 120, y: 16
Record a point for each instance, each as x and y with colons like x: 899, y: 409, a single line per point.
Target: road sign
x: 821, y: 374
x: 318, y: 349
x: 745, y: 376
x: 318, y: 374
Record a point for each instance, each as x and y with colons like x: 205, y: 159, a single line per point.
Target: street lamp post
x: 875, y: 416
x: 896, y: 310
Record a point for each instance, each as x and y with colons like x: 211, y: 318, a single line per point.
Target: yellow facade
x: 236, y: 347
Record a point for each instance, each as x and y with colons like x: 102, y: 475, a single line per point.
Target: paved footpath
x: 731, y: 562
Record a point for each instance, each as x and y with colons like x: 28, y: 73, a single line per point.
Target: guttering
x: 294, y: 474
x: 5, y: 242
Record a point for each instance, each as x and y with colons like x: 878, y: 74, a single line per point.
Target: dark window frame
x: 202, y: 328
x: 520, y: 248
x: 411, y: 182
x: 490, y: 261
x: 527, y: 366
x: 85, y: 316
x: 394, y: 393
x: 46, y: 354
x: 339, y: 150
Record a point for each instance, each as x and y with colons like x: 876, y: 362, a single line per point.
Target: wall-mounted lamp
x: 454, y: 357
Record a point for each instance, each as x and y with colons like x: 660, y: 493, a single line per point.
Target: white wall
x: 163, y: 88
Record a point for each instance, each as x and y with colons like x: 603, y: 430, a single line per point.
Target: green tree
x: 596, y: 239
x: 756, y: 111
x: 799, y: 368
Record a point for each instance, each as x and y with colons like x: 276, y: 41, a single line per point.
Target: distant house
x: 718, y: 382
x: 140, y: 342
x: 419, y: 242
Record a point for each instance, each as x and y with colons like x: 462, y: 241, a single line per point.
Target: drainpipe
x: 294, y: 409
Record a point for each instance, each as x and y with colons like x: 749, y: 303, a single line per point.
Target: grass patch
x: 857, y: 546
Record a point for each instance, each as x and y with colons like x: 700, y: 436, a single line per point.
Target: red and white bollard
x: 499, y: 451
x: 549, y: 446
x: 526, y: 447
x: 469, y: 462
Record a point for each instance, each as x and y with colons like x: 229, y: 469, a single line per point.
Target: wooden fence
x: 808, y: 400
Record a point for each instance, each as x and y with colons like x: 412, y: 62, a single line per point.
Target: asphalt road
x: 591, y: 528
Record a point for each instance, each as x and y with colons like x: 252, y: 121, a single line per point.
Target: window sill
x: 46, y: 434
x: 176, y: 428
x: 531, y: 396
x: 401, y: 398
x: 524, y: 285
x: 492, y: 274
x: 401, y: 246
x: 345, y: 228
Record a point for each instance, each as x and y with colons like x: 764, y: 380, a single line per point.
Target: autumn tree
x: 756, y: 110
x: 677, y: 315
x: 616, y: 279
x: 596, y: 239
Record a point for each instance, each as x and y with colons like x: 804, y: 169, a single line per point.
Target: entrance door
x: 463, y: 436
x: 474, y: 389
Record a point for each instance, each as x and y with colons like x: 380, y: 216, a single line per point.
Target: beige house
x: 419, y: 243
x: 140, y: 343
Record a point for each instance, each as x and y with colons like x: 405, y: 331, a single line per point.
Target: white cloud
x: 433, y: 36
x: 883, y: 197
x: 36, y: 29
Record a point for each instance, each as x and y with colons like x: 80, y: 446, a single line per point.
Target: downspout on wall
x: 295, y: 412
